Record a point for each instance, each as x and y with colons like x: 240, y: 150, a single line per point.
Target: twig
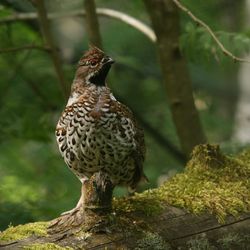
x: 49, y: 42
x: 133, y: 22
x: 25, y: 47
x: 92, y: 25
x: 18, y: 17
x: 206, y: 27
x: 114, y: 14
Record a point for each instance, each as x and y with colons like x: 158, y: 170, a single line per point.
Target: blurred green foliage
x: 35, y: 182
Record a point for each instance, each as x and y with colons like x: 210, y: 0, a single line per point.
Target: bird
x: 96, y: 132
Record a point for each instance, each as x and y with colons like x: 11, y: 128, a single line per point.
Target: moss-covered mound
x: 24, y: 231
x: 211, y: 182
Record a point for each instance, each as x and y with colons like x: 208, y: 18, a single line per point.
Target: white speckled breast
x: 92, y: 136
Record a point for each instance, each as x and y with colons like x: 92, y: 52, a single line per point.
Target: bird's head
x: 94, y: 66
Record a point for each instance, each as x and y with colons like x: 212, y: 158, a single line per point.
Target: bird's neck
x: 80, y: 87
x: 74, y: 97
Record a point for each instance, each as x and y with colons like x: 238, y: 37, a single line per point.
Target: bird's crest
x: 93, y: 54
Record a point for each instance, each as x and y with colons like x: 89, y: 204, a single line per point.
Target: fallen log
x: 205, y: 207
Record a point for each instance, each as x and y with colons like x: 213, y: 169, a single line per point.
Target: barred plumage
x: 95, y: 131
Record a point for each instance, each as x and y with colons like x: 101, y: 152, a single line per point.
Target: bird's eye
x: 82, y: 63
x: 93, y: 63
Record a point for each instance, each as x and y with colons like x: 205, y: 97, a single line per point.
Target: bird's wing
x: 138, y: 154
x: 67, y: 132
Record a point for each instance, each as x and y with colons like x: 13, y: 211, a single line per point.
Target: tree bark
x: 49, y: 43
x: 91, y: 212
x: 146, y: 221
x: 174, y: 228
x: 165, y: 21
x: 92, y: 24
x: 242, y: 112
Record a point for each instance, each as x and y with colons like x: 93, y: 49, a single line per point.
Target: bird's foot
x: 92, y: 211
x: 72, y: 211
x: 77, y: 208
x: 72, y: 219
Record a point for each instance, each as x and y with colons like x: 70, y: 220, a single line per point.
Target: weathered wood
x: 174, y: 226
x: 92, y: 213
x: 147, y: 221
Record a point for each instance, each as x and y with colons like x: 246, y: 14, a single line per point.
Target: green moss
x: 46, y: 246
x: 199, y: 243
x: 234, y: 241
x: 211, y: 182
x: 24, y: 231
x: 152, y: 241
x: 146, y: 202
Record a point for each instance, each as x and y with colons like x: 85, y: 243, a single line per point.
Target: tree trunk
x: 49, y: 42
x: 242, y: 113
x: 92, y: 24
x: 231, y: 19
x: 165, y: 21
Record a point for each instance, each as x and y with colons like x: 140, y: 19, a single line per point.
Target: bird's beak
x: 111, y: 61
x: 108, y: 60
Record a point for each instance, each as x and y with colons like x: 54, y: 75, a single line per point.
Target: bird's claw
x: 73, y: 211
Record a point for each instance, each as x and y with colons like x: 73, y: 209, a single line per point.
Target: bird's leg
x: 98, y: 194
x: 92, y: 208
x: 80, y: 202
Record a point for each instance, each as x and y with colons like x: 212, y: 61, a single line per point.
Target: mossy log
x: 205, y: 207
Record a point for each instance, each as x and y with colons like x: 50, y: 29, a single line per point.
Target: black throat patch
x: 100, y: 77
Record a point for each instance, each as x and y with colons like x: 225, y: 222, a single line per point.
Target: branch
x: 18, y: 17
x: 25, y: 47
x: 133, y: 22
x: 206, y: 27
x: 114, y: 14
x: 92, y: 25
x: 49, y: 42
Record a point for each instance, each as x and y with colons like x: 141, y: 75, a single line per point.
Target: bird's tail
x: 132, y: 188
